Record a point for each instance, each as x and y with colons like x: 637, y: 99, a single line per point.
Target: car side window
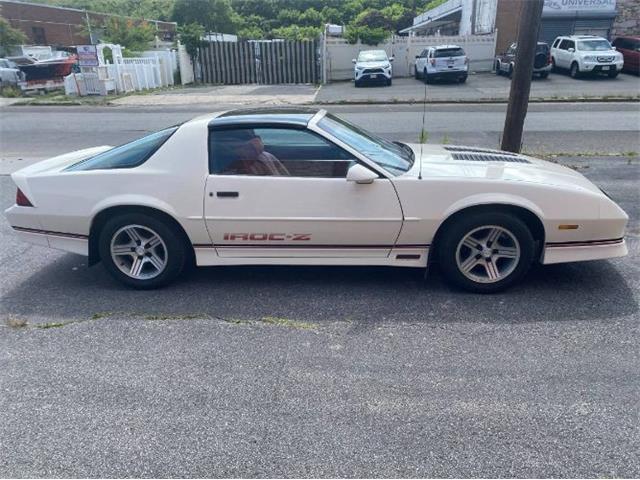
x: 555, y: 43
x: 276, y: 151
x: 571, y: 44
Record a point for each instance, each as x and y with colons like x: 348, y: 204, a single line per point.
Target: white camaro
x: 303, y: 187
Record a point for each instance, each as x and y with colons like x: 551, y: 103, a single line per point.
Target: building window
x: 38, y: 36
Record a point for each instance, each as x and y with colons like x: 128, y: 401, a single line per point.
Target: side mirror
x: 391, y: 59
x: 353, y: 60
x: 417, y: 56
x: 571, y: 50
x: 360, y: 174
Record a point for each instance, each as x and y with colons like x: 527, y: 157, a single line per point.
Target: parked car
x: 10, y: 74
x: 506, y: 62
x: 448, y: 62
x: 582, y: 54
x: 629, y: 47
x: 304, y: 187
x: 372, y: 66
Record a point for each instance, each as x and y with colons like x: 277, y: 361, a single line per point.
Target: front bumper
x: 581, y: 251
x: 372, y: 76
x: 597, y: 67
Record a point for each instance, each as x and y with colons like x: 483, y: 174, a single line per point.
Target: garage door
x: 552, y: 28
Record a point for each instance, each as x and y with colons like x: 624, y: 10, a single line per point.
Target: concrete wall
x: 339, y: 53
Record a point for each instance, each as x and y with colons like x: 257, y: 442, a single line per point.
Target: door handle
x: 227, y: 194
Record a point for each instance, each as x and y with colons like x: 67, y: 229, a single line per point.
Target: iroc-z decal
x: 265, y: 237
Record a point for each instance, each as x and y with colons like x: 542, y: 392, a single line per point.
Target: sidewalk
x: 483, y: 87
x: 226, y: 94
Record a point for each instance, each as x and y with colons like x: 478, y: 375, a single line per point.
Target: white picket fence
x: 153, y: 69
x: 338, y: 53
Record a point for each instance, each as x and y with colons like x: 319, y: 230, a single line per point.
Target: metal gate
x: 263, y: 62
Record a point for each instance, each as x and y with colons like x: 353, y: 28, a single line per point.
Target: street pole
x: 523, y: 70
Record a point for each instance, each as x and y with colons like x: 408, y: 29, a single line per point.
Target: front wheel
x: 416, y: 75
x: 462, y: 79
x: 575, y: 70
x: 485, y: 253
x: 425, y: 76
x: 141, y: 251
x: 613, y: 73
x: 389, y: 82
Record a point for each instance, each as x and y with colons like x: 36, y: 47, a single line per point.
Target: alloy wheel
x: 488, y: 254
x: 139, y: 252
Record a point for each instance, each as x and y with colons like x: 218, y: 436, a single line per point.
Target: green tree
x: 133, y: 35
x: 295, y: 32
x: 367, y: 35
x: 213, y: 15
x: 191, y: 38
x: 10, y: 36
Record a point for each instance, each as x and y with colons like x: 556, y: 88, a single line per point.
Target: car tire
x: 415, y: 73
x: 157, y: 256
x: 389, y: 82
x: 613, y: 74
x: 497, y: 66
x: 357, y: 83
x: 544, y: 74
x: 487, y: 270
x: 462, y: 79
x: 425, y: 76
x: 574, y: 72
x: 554, y: 68
x: 510, y: 72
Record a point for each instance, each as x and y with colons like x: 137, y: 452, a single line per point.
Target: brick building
x: 61, y: 26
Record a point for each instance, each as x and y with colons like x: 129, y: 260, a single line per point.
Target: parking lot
x: 295, y: 371
x: 484, y: 86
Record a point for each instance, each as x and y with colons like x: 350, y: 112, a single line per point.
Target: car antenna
x: 424, y: 114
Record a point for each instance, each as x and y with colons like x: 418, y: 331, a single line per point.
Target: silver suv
x: 586, y: 54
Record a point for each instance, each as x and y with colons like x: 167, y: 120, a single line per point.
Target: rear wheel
x: 141, y: 251
x: 485, y: 253
x: 497, y: 65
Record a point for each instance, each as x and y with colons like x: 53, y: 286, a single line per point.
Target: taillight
x: 22, y: 200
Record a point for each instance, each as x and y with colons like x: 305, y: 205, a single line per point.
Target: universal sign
x: 558, y: 6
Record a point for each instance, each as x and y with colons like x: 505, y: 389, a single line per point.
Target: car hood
x: 440, y: 161
x: 382, y: 64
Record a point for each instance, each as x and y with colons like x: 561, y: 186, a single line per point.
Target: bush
x: 367, y: 35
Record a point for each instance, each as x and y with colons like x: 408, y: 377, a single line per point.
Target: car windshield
x: 592, y: 45
x: 372, y: 56
x: 449, y: 52
x: 394, y: 157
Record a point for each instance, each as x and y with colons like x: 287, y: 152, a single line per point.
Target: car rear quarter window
x: 129, y: 155
x: 449, y: 52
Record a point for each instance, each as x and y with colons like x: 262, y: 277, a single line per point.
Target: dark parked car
x: 506, y: 62
x: 629, y: 47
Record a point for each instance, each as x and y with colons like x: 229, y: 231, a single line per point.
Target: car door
x: 301, y: 205
x: 562, y: 54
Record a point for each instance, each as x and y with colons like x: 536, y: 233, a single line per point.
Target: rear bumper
x: 581, y: 251
x: 546, y: 68
x: 447, y: 74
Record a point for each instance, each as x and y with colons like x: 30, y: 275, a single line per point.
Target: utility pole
x: 531, y: 11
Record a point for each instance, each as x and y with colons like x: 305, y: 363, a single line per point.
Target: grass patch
x: 286, y: 322
x: 10, y: 92
x: 194, y: 316
x: 47, y: 325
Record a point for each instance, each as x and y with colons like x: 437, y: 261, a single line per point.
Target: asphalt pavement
x: 28, y: 134
x: 340, y: 372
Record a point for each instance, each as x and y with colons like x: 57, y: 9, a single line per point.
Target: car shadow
x: 66, y: 289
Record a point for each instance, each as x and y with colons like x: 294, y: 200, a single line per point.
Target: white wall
x: 480, y: 50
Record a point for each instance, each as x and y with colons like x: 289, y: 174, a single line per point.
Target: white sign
x: 567, y: 6
x: 87, y: 56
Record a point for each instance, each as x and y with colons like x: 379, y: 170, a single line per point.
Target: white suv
x: 372, y: 66
x: 585, y: 54
x: 442, y: 62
